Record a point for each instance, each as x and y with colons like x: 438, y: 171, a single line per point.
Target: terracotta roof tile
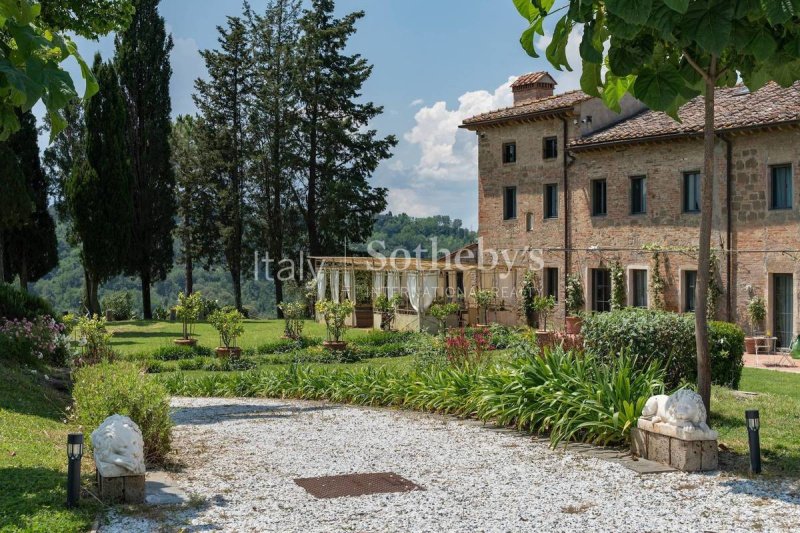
x: 541, y: 106
x: 735, y: 108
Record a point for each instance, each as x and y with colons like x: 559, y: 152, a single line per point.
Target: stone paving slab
x: 162, y: 489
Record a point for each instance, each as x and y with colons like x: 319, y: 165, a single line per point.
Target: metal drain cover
x: 356, y: 485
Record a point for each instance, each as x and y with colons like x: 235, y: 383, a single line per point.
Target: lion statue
x: 118, y: 447
x: 684, y: 410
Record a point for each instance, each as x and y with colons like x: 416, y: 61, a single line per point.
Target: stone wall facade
x: 599, y: 241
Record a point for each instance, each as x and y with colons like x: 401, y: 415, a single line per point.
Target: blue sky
x: 435, y: 62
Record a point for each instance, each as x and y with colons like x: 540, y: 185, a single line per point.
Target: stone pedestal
x: 689, y: 451
x: 125, y: 489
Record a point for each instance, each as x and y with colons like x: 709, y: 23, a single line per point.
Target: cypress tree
x: 98, y: 191
x: 272, y: 115
x: 197, y: 209
x: 31, y: 248
x: 339, y: 153
x: 222, y: 102
x: 142, y: 57
x: 15, y: 204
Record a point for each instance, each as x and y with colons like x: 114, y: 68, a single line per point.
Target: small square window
x: 691, y: 192
x: 551, y: 282
x: 509, y: 153
x: 550, y: 148
x: 551, y: 201
x: 689, y: 288
x: 780, y: 187
x: 639, y: 288
x: 509, y: 203
x: 599, y: 207
x: 529, y: 222
x: 638, y: 195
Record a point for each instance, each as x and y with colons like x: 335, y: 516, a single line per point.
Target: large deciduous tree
x: 31, y: 247
x: 98, y: 191
x: 222, y: 101
x: 665, y: 52
x: 142, y: 57
x: 339, y: 153
x: 197, y: 202
x: 34, y: 43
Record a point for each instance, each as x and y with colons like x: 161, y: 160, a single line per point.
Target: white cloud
x: 567, y: 81
x: 416, y: 103
x: 448, y: 154
x: 187, y: 66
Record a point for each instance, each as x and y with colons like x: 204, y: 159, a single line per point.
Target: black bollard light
x: 753, y: 425
x: 74, y: 454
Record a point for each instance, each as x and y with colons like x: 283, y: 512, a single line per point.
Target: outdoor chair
x: 786, y: 356
x: 764, y: 345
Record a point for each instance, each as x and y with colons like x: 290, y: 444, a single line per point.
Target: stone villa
x: 562, y: 174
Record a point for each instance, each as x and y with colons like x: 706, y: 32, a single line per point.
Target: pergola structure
x: 420, y: 282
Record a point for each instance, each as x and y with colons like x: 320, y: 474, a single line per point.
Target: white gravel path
x: 242, y: 456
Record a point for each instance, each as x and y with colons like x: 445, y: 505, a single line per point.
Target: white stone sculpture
x: 118, y: 448
x: 682, y: 415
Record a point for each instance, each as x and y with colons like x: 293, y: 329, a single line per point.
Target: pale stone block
x: 125, y: 489
x: 686, y: 455
x: 710, y: 459
x: 639, y: 442
x: 658, y: 448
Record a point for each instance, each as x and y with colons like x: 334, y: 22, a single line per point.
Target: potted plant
x: 293, y: 315
x: 387, y: 307
x: 574, y: 304
x: 484, y: 299
x: 440, y: 312
x: 756, y: 313
x: 229, y: 323
x: 335, y: 315
x: 187, y: 311
x: 544, y: 305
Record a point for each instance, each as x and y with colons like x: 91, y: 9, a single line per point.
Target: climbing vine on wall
x: 714, y: 289
x: 657, y: 282
x: 617, y: 286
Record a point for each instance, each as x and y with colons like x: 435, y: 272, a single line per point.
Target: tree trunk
x: 95, y: 301
x: 90, y: 294
x: 23, y: 270
x: 147, y: 312
x: 2, y: 259
x: 704, y: 253
x: 189, y: 269
x: 237, y: 288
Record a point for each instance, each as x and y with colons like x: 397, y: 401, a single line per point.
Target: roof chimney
x: 533, y: 86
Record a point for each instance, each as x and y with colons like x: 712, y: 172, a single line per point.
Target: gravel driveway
x: 242, y: 456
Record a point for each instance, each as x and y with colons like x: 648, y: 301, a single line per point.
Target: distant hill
x: 63, y: 287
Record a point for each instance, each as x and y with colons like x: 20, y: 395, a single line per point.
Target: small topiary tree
x: 229, y: 323
x: 530, y: 290
x: 188, y: 311
x: 574, y: 298
x: 440, y: 312
x: 484, y: 299
x: 544, y: 306
x: 293, y: 315
x: 756, y: 312
x: 387, y: 307
x: 335, y: 315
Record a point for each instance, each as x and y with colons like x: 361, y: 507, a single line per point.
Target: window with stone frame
x: 509, y: 153
x: 599, y: 198
x: 551, y: 201
x: 601, y: 290
x: 639, y: 288
x: 691, y: 192
x: 638, y: 195
x: 689, y: 288
x: 780, y: 187
x: 551, y: 282
x: 509, y: 203
x: 550, y: 148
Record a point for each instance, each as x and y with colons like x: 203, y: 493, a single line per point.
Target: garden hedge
x: 15, y: 303
x: 667, y: 337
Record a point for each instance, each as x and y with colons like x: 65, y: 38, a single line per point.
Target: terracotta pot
x: 185, y: 342
x: 749, y: 345
x: 337, y: 346
x: 233, y: 353
x: 545, y: 339
x: 574, y: 325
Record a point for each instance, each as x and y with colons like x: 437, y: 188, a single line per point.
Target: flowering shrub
x: 229, y: 323
x: 39, y: 340
x: 468, y: 348
x: 91, y: 340
x: 294, y: 314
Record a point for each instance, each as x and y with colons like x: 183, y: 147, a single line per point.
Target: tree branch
x: 695, y: 66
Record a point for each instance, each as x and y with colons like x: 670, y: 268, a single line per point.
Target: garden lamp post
x: 753, y: 425
x: 74, y: 454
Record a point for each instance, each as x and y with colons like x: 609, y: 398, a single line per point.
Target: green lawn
x: 778, y: 402
x: 143, y: 335
x: 33, y: 459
